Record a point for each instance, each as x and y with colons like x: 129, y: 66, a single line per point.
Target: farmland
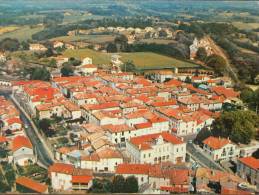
x: 7, y: 29
x: 143, y: 60
x: 22, y: 34
x: 87, y: 38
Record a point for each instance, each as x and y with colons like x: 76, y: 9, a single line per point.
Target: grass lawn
x: 98, y: 57
x: 149, y: 60
x: 22, y: 34
x: 143, y: 60
x: 87, y: 38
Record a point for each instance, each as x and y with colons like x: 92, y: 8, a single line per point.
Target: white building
x: 156, y: 148
x: 105, y: 160
x: 87, y: 61
x: 37, y: 47
x: 2, y: 57
x: 65, y: 177
x: 22, y: 151
x: 248, y: 169
x: 220, y: 149
x: 140, y: 171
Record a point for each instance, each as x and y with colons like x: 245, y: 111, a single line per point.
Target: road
x: 40, y: 150
x: 201, y: 158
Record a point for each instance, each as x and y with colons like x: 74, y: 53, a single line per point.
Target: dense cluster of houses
x: 129, y: 125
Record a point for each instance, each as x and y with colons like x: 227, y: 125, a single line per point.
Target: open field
x: 98, y: 57
x: 247, y: 26
x: 149, y: 60
x: 22, y: 34
x: 86, y: 38
x: 143, y: 60
x: 7, y: 29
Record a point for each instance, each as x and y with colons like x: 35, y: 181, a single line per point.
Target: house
x: 161, y: 178
x: 248, y: 169
x: 220, y: 149
x: 3, y: 141
x: 118, y: 133
x: 14, y: 124
x: 218, y: 179
x: 2, y: 56
x: 156, y: 148
x: 163, y: 75
x: 65, y: 177
x: 60, y: 60
x: 37, y: 47
x: 140, y: 171
x: 87, y: 61
x: 30, y: 186
x: 58, y: 44
x: 88, y: 69
x: 105, y: 160
x: 22, y: 151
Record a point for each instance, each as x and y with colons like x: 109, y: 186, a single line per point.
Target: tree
x: 72, y: 62
x: 111, y: 48
x: 128, y: 67
x: 67, y: 70
x: 188, y: 80
x: 201, y: 54
x: 9, y: 44
x: 240, y: 126
x: 217, y: 62
x: 202, y: 135
x: 247, y: 95
x: 40, y: 74
x: 45, y: 126
x: 53, y: 63
x: 101, y: 186
x: 25, y: 45
x: 131, y: 185
x: 118, y: 184
x: 121, y: 42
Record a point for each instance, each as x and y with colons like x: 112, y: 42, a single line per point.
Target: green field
x: 86, y: 38
x: 98, y: 57
x: 143, y: 60
x: 22, y: 34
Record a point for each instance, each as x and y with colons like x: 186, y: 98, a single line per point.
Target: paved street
x: 202, y: 158
x: 41, y: 151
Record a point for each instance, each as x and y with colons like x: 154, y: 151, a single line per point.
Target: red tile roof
x: 3, y: 139
x: 143, y: 125
x: 146, y: 141
x: 21, y: 141
x: 216, y: 142
x: 176, y: 189
x: 250, y: 162
x: 228, y: 191
x: 83, y: 179
x: 31, y: 184
x: 62, y: 168
x: 11, y: 121
x: 137, y: 169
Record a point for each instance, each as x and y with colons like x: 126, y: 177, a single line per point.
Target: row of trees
x: 218, y: 63
x: 119, y: 184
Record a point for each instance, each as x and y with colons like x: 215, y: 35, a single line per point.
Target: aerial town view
x: 129, y: 96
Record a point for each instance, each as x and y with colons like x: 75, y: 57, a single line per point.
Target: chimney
x: 139, y: 146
